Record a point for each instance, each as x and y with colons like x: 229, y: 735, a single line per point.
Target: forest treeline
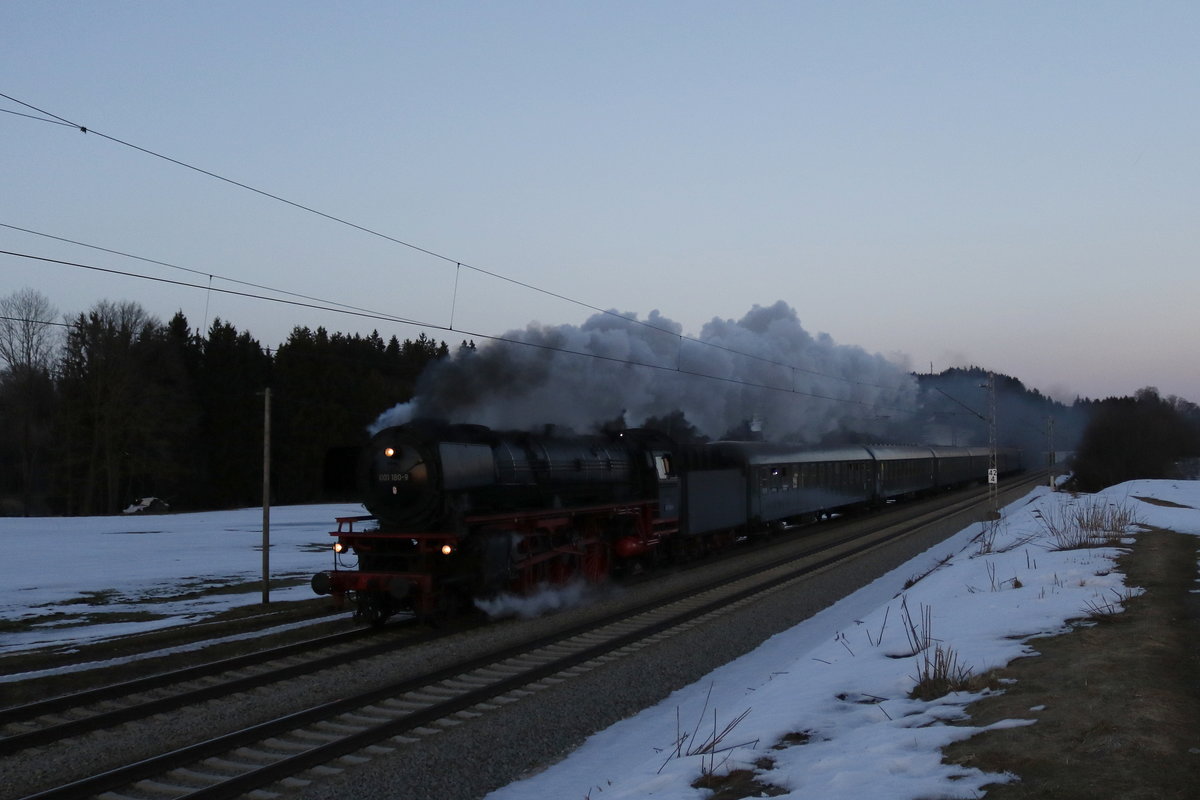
x: 1102, y: 442
x: 115, y: 405
x: 1144, y: 436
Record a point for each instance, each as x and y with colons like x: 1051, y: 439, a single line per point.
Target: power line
x: 488, y: 337
x: 381, y: 315
x: 56, y: 119
x: 191, y: 270
x: 24, y: 321
x: 172, y: 282
x: 31, y: 116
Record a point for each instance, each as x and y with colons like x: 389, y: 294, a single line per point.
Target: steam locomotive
x: 463, y: 511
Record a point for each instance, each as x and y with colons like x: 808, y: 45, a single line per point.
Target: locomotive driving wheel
x: 373, y: 608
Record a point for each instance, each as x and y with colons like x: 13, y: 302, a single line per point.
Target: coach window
x: 663, y: 464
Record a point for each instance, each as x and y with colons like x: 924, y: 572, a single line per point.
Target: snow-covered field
x: 79, y: 579
x: 839, y: 682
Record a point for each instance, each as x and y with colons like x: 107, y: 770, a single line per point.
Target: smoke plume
x: 763, y: 367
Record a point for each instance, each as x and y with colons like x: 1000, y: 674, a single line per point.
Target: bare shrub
x: 713, y: 744
x: 985, y: 540
x: 1102, y: 610
x: 912, y: 581
x: 938, y: 669
x: 1096, y: 523
x: 918, y: 634
x: 1108, y: 520
x: 940, y: 673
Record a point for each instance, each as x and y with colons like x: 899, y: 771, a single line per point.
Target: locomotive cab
x: 668, y: 482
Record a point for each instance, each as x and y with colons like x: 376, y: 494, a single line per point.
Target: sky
x: 1010, y: 185
x: 842, y: 676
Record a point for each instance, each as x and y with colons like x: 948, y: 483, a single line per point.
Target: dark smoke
x: 799, y: 388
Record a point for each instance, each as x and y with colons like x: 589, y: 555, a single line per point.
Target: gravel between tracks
x: 470, y: 760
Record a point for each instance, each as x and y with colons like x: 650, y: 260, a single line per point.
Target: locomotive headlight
x: 340, y: 547
x: 447, y: 549
x: 389, y: 451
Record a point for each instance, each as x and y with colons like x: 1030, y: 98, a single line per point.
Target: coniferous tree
x: 232, y: 371
x: 309, y: 388
x: 101, y: 404
x: 165, y: 432
x: 27, y: 349
x: 1134, y: 437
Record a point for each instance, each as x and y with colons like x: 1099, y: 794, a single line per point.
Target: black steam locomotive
x: 462, y: 511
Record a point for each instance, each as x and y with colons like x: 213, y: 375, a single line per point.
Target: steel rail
x: 29, y: 712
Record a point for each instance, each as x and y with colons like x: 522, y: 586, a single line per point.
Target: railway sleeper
x: 224, y: 765
x: 282, y: 748
x: 258, y: 756
x: 193, y: 776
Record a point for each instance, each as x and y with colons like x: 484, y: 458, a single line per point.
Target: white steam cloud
x: 764, y: 367
x: 545, y: 601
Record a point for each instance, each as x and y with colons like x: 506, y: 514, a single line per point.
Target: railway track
x: 63, y: 716
x: 298, y: 748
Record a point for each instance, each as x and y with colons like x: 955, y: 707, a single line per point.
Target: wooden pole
x: 266, y: 521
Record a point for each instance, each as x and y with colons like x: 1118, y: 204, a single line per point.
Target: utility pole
x: 993, y: 473
x: 266, y: 489
x: 1051, y: 456
x: 993, y: 456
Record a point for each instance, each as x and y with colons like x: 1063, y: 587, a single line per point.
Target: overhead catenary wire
x: 191, y: 270
x: 474, y: 334
x: 25, y: 321
x: 171, y: 281
x: 378, y: 315
x: 459, y: 264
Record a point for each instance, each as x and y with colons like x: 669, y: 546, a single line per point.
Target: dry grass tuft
x: 938, y: 669
x: 1095, y: 523
x: 712, y: 745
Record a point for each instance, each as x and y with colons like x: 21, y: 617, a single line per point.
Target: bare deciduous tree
x: 28, y: 336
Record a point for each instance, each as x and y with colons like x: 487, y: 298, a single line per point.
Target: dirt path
x: 1118, y: 703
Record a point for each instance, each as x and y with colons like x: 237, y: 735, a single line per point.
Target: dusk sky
x: 1012, y: 185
